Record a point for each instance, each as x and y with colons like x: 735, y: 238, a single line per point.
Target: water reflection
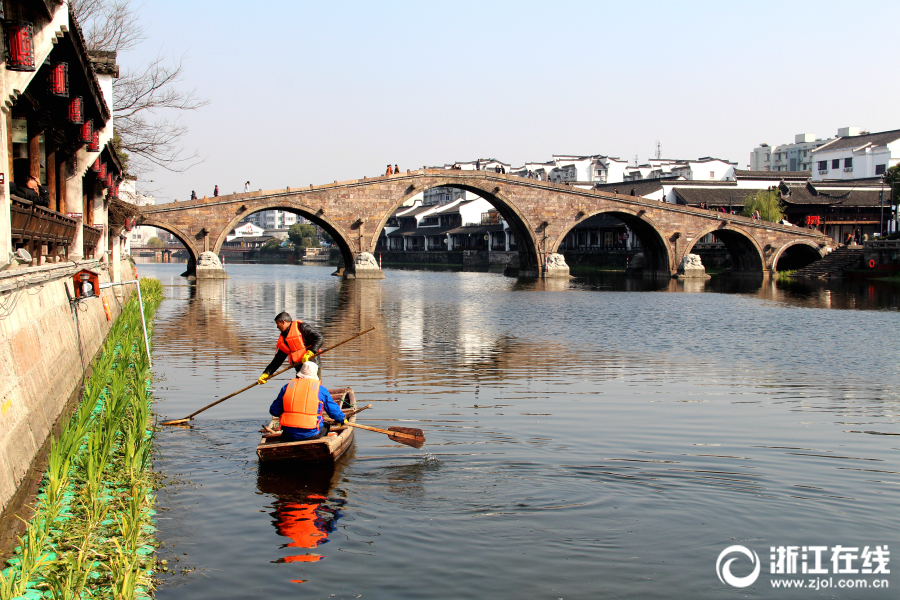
x: 304, y: 511
x: 572, y: 420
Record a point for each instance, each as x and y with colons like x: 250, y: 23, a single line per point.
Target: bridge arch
x: 658, y: 256
x: 796, y: 255
x: 526, y: 239
x: 335, y: 231
x: 186, y: 239
x: 746, y: 255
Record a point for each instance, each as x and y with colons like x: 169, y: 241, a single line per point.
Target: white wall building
x: 855, y: 155
x: 702, y: 169
x: 245, y: 230
x: 275, y: 219
x: 787, y: 157
x: 139, y: 236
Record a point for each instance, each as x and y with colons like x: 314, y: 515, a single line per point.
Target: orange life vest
x: 301, y: 404
x: 292, y: 344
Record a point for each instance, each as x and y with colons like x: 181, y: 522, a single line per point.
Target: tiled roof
x: 811, y: 194
x: 713, y: 196
x: 858, y: 141
x: 848, y: 183
x: 642, y: 187
x: 403, y: 231
x: 775, y: 175
x: 712, y: 183
x: 413, y: 212
x: 475, y: 229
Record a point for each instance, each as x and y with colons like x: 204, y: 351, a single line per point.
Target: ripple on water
x: 582, y: 442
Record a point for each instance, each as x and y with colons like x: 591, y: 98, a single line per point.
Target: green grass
x: 92, y: 532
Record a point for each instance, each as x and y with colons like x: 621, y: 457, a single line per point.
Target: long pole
x: 144, y: 323
x: 881, y: 208
x: 103, y: 286
x: 255, y: 383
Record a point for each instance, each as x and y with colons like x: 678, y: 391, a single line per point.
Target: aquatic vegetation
x: 92, y: 533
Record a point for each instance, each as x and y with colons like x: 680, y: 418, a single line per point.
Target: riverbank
x: 48, y: 340
x: 92, y: 526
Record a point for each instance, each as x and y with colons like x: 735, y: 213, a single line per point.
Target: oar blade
x: 408, y: 435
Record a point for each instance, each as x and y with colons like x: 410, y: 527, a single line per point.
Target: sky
x: 312, y: 92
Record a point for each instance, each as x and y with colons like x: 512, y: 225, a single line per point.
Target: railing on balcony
x: 858, y: 218
x: 34, y: 226
x: 91, y: 235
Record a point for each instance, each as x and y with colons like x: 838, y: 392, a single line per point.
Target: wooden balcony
x: 90, y: 236
x: 34, y: 226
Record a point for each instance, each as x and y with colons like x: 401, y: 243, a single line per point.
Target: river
x: 595, y: 438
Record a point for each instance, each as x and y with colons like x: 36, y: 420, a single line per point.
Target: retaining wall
x: 41, y: 367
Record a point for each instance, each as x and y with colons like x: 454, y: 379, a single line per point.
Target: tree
x: 892, y: 178
x: 767, y: 202
x: 145, y: 99
x: 303, y: 235
x: 155, y: 242
x: 272, y: 246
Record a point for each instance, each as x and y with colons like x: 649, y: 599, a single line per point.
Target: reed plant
x: 91, y: 535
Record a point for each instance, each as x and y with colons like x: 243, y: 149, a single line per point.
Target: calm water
x: 600, y: 438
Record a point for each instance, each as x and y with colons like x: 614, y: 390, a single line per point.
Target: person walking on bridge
x: 298, y: 343
x: 300, y: 404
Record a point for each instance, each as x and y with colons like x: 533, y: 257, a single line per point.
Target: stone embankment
x: 46, y: 345
x: 91, y: 532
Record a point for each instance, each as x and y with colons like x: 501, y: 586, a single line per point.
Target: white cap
x: 308, y: 370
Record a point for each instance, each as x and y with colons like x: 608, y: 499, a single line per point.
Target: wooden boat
x: 325, y: 449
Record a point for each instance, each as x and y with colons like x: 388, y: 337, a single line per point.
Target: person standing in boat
x: 300, y: 405
x: 298, y: 343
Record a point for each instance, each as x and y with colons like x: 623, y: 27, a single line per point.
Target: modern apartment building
x: 856, y: 155
x: 787, y: 157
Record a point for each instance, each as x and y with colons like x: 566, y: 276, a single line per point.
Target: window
x: 879, y: 169
x: 836, y: 163
x: 712, y: 174
x: 848, y: 163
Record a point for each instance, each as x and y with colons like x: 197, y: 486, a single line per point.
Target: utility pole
x: 881, y: 208
x: 658, y: 150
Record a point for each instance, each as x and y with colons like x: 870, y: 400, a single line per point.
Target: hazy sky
x: 312, y: 92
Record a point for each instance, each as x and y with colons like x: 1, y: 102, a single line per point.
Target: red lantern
x: 96, y: 166
x: 19, y: 46
x: 110, y: 181
x: 94, y: 145
x: 59, y: 79
x: 87, y: 132
x: 102, y: 171
x: 76, y: 111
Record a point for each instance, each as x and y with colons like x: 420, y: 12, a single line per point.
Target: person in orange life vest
x: 300, y: 405
x: 298, y: 342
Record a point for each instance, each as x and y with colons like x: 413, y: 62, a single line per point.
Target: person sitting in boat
x: 298, y: 343
x: 300, y: 405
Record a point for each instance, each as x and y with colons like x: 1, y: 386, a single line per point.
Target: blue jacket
x: 295, y: 433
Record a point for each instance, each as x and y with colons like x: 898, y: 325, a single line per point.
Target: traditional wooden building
x: 57, y: 128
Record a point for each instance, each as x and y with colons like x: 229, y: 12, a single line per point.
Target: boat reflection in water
x: 304, y: 512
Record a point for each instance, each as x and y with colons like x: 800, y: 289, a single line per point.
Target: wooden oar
x: 255, y: 383
x: 402, y: 435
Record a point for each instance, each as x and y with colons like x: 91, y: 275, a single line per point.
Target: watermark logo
x: 724, y: 570
x: 811, y: 567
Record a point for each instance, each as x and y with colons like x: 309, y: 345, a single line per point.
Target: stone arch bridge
x: 540, y: 214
